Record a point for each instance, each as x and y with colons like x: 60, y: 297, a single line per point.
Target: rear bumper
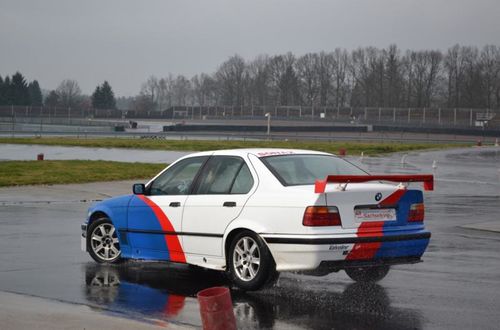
x: 339, y: 252
x: 346, y: 240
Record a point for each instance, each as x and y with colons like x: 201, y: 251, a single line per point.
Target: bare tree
x: 164, y: 95
x: 434, y: 60
x: 200, y: 96
x: 368, y: 77
x: 325, y: 67
x: 284, y: 79
x: 340, y: 76
x: 490, y: 65
x: 150, y: 89
x: 258, y: 71
x: 307, y: 72
x: 209, y: 89
x: 181, y: 90
x: 394, y: 77
x: 377, y: 60
x: 424, y: 67
x: 473, y: 89
x: 142, y: 103
x: 230, y: 77
x: 454, y: 64
x: 69, y: 92
x: 361, y: 74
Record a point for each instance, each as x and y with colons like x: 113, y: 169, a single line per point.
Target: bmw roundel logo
x: 378, y: 197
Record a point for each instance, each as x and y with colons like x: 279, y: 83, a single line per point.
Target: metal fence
x: 422, y: 117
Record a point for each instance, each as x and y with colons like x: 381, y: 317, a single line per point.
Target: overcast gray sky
x: 126, y: 41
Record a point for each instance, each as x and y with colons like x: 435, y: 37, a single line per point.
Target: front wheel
x: 251, y: 265
x: 102, y: 242
x: 367, y: 274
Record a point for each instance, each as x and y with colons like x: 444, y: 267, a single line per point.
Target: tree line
x: 68, y: 94
x: 15, y: 90
x: 460, y: 77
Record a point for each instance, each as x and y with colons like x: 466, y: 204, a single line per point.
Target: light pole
x: 268, y: 115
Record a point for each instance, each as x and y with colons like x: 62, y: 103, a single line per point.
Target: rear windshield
x: 292, y: 170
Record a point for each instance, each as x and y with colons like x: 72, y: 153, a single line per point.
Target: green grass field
x: 352, y: 148
x: 18, y: 173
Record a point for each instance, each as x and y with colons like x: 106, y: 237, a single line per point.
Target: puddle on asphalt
x: 161, y: 292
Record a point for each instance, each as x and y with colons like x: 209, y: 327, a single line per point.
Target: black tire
x: 367, y: 274
x: 244, y: 278
x: 109, y: 242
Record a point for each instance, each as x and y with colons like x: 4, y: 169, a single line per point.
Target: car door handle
x: 229, y: 204
x: 175, y: 204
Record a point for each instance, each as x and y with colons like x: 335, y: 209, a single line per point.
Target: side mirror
x: 139, y: 189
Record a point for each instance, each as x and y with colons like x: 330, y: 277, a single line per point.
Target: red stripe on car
x: 173, y: 244
x: 366, y: 251
x: 393, y: 198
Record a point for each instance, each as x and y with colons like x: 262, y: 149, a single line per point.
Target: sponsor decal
x: 338, y: 247
x: 274, y: 153
x: 375, y: 215
x: 378, y: 197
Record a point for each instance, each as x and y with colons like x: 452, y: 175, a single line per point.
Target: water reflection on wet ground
x: 456, y: 286
x: 162, y: 292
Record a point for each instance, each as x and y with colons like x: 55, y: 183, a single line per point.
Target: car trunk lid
x: 362, y: 203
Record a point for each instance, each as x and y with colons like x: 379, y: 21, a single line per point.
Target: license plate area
x: 368, y: 213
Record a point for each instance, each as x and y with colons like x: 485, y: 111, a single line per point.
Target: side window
x: 177, y: 179
x: 243, y: 182
x: 218, y: 175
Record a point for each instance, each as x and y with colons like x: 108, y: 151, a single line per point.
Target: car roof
x: 259, y: 152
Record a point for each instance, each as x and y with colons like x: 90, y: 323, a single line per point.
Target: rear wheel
x: 367, y: 274
x: 102, y: 241
x: 251, y: 265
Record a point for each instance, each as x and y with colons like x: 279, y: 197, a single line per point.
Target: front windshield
x: 306, y: 169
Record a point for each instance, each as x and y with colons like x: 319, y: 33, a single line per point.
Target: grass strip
x: 352, y: 148
x: 18, y: 173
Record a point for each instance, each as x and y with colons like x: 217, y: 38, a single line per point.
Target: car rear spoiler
x: 427, y: 179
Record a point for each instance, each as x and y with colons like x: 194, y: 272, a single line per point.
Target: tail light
x: 417, y: 212
x: 316, y: 216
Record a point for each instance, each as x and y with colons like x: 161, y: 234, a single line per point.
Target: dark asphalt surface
x: 457, y: 285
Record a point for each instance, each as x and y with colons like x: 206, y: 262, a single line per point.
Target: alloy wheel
x: 104, y: 242
x: 246, y: 258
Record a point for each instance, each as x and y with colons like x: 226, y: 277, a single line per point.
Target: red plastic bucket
x: 216, y: 309
x: 342, y: 152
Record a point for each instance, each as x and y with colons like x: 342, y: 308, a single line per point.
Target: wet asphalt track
x: 457, y: 285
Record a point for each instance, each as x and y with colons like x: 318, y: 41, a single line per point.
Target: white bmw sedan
x: 257, y: 212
